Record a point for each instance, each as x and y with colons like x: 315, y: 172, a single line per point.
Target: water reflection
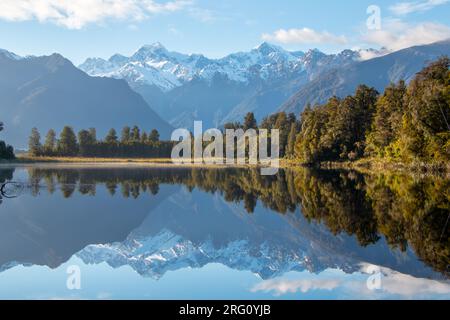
x: 156, y: 221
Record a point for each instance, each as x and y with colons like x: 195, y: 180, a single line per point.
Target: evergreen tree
x: 387, y: 121
x: 34, y: 143
x: 6, y: 151
x: 144, y: 137
x: 135, y: 134
x: 126, y: 135
x: 154, y: 136
x: 111, y: 137
x: 93, y: 134
x: 50, y: 142
x: 250, y: 122
x: 86, y: 142
x: 283, y: 126
x: 290, y: 149
x: 425, y: 133
x: 67, y: 143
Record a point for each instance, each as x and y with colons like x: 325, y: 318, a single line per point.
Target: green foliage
x: 154, y: 136
x: 87, y: 145
x: 250, y: 121
x: 86, y: 141
x: 404, y: 123
x: 111, y: 137
x: 387, y: 122
x: 282, y: 122
x: 6, y: 151
x: 135, y: 134
x: 50, y: 143
x: 425, y: 132
x: 34, y: 143
x: 126, y: 135
x: 290, y: 147
x: 67, y: 143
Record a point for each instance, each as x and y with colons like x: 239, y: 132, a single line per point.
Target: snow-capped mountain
x: 155, y: 65
x: 183, y: 88
x: 154, y: 256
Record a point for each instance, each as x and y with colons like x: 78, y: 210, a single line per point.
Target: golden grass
x: 366, y: 165
x: 26, y: 158
x: 122, y: 162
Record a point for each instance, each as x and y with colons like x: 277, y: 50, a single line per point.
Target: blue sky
x: 84, y: 28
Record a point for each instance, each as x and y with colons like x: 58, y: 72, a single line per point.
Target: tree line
x: 287, y: 124
x: 406, y: 123
x: 132, y: 143
x: 6, y: 151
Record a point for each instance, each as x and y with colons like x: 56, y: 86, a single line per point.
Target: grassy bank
x: 31, y: 159
x: 24, y: 159
x: 364, y: 165
x: 380, y: 165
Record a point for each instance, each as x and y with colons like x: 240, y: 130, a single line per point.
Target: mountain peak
x: 157, y: 46
x: 118, y: 59
x: 268, y: 48
x: 150, y: 50
x: 9, y: 54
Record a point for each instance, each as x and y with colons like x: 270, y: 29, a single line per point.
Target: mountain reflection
x: 401, y: 211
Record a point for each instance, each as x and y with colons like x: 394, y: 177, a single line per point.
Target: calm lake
x: 178, y: 233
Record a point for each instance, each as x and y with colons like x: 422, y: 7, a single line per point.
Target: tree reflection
x: 5, y: 176
x: 405, y: 210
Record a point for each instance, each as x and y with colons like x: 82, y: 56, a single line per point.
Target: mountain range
x: 50, y: 92
x: 378, y: 73
x: 158, y: 88
x: 183, y: 88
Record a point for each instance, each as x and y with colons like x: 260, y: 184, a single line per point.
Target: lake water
x: 178, y: 233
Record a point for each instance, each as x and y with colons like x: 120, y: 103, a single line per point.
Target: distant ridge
x: 50, y: 92
x: 377, y: 72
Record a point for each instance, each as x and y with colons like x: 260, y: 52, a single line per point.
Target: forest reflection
x: 408, y: 211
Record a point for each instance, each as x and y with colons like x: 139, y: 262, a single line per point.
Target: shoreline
x: 366, y: 166
x: 378, y: 166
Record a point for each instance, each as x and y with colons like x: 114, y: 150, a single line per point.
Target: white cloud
x: 76, y: 14
x: 280, y: 286
x: 397, y: 35
x: 403, y: 8
x: 304, y: 36
x: 392, y: 285
x: 396, y: 283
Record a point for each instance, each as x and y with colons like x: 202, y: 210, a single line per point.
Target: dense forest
x: 6, y: 151
x: 407, y: 212
x: 132, y: 143
x: 405, y: 123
